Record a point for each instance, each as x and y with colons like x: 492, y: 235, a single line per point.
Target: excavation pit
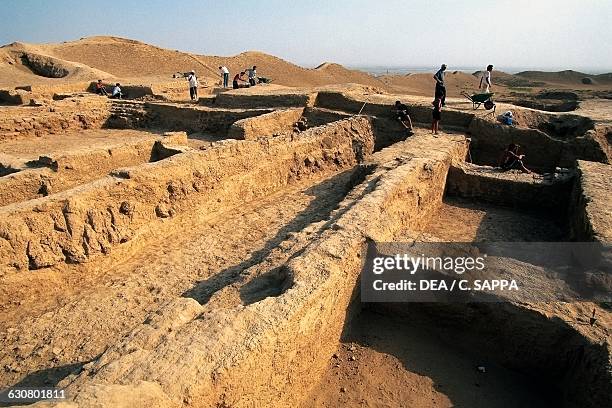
x: 223, y: 269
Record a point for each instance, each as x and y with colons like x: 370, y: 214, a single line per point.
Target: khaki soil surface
x: 460, y: 220
x: 72, y: 142
x: 57, y: 319
x: 384, y: 362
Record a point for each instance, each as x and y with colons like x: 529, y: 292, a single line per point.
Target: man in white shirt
x: 485, y: 80
x: 117, y: 94
x: 252, y: 74
x: 193, y: 86
x: 225, y: 75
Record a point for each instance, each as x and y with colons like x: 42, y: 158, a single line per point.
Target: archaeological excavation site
x: 158, y: 253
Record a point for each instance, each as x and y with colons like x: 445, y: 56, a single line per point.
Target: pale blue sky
x: 507, y: 33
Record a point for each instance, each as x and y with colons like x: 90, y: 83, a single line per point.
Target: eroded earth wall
x: 74, y: 225
x: 277, y: 348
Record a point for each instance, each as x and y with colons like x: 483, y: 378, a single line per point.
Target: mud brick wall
x: 541, y: 150
x: 275, y: 349
x: 177, y: 118
x: 268, y: 124
x: 17, y: 122
x: 509, y: 188
x: 279, y: 99
x: 382, y: 108
x: 74, y: 225
x: 62, y: 172
x: 591, y: 207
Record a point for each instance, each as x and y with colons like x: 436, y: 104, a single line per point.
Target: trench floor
x: 461, y: 220
x: 57, y: 319
x: 386, y: 362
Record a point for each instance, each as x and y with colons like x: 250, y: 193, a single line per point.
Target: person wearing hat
x: 440, y: 87
x: 193, y: 86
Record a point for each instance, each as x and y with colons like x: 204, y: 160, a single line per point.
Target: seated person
x: 511, y: 159
x: 507, y: 118
x: 117, y: 94
x: 237, y: 78
x: 301, y: 125
x: 100, y: 88
x: 401, y: 111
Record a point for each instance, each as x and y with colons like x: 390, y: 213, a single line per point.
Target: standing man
x: 193, y: 86
x: 440, y: 88
x: 225, y: 75
x: 485, y: 80
x: 252, y: 74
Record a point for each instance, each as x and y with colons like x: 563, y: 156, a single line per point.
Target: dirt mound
x: 567, y: 77
x: 30, y: 64
x: 424, y: 84
x: 126, y: 58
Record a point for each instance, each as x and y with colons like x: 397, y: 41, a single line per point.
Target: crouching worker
x: 301, y: 125
x: 511, y: 159
x: 100, y: 88
x: 401, y: 110
x: 117, y: 93
x: 239, y: 78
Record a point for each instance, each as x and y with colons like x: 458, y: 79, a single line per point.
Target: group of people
x: 511, y: 157
x: 440, y: 93
x: 238, y: 82
x: 116, y: 93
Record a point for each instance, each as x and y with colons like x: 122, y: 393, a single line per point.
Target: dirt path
x: 69, y: 316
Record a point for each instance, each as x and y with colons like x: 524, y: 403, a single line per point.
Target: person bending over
x: 511, y: 159
x: 401, y: 111
x: 239, y: 78
x: 224, y: 75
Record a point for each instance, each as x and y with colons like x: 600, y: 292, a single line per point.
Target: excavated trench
x: 429, y: 354
x: 38, y: 174
x: 227, y: 273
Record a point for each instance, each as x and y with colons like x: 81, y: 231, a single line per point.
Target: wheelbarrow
x: 481, y: 99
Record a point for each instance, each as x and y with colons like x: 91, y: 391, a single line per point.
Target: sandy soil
x: 106, y: 57
x: 72, y: 142
x: 387, y: 362
x: 460, y: 220
x: 58, y: 319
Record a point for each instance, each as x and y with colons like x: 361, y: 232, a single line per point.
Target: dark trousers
x: 225, y: 80
x: 193, y: 93
x: 252, y: 81
x: 441, y: 90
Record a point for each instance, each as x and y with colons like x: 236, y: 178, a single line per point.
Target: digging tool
x: 362, y: 106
